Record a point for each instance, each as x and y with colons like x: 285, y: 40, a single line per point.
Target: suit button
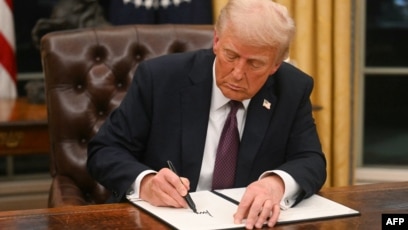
x: 130, y: 191
x: 115, y: 194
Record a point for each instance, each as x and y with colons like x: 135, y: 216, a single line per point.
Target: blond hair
x: 261, y: 23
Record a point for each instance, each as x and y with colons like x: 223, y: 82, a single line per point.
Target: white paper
x: 216, y: 212
x: 220, y: 209
x: 314, y: 207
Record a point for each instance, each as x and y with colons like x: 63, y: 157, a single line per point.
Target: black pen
x: 190, y: 201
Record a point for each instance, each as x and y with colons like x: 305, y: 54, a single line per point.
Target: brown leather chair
x: 87, y: 73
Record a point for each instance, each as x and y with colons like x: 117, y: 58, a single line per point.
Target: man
x: 176, y: 108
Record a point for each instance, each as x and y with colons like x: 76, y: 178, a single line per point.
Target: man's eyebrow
x: 250, y: 59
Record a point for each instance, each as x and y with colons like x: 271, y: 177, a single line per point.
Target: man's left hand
x: 261, y: 202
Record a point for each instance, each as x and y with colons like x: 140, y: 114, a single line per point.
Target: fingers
x: 264, y: 214
x: 243, y: 208
x: 258, y: 215
x: 258, y: 206
x: 273, y: 219
x: 181, y: 184
x: 165, y: 189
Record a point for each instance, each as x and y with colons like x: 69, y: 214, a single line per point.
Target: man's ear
x: 215, y: 41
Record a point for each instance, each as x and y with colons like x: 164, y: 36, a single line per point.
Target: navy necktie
x: 227, y: 151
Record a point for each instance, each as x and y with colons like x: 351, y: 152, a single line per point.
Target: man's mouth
x: 233, y: 87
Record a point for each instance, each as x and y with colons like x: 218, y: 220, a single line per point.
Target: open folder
x: 216, y: 209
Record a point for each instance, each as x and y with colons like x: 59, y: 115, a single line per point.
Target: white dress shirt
x: 219, y: 110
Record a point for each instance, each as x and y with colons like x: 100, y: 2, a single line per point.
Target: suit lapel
x: 195, y: 104
x: 257, y: 122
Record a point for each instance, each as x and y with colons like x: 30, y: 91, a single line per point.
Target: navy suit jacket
x: 165, y: 113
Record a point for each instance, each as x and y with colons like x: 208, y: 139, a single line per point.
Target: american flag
x: 8, y: 69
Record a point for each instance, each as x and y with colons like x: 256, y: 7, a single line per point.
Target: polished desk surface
x: 371, y: 200
x: 23, y: 128
x: 20, y: 112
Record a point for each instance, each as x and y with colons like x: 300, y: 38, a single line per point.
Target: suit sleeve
x: 114, y: 153
x: 305, y: 162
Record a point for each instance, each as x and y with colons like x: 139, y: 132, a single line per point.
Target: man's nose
x: 239, y: 70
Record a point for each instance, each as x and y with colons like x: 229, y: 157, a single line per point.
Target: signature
x: 206, y: 212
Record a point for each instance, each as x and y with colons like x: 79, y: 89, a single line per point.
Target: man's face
x: 241, y: 69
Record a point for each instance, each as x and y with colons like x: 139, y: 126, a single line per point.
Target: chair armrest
x: 64, y: 192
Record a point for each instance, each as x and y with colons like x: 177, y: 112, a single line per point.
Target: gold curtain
x: 322, y: 48
x: 217, y: 5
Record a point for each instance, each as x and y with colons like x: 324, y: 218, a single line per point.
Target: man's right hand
x: 165, y: 189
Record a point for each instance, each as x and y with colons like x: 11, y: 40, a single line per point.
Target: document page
x: 314, y: 207
x: 213, y: 212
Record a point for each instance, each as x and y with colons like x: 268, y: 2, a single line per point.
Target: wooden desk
x: 23, y: 128
x: 371, y: 200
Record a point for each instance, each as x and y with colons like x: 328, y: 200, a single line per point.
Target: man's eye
x: 230, y: 55
x: 256, y: 64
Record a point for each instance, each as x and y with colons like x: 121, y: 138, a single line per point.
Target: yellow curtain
x: 217, y: 5
x: 322, y: 49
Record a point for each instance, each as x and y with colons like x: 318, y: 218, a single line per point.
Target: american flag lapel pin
x: 266, y: 104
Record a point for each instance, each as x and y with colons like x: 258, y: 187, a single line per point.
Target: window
x: 384, y: 70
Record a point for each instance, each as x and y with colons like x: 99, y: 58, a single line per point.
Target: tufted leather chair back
x: 87, y: 73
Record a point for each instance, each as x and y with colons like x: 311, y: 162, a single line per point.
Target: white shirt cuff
x: 134, y: 190
x: 292, y: 188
